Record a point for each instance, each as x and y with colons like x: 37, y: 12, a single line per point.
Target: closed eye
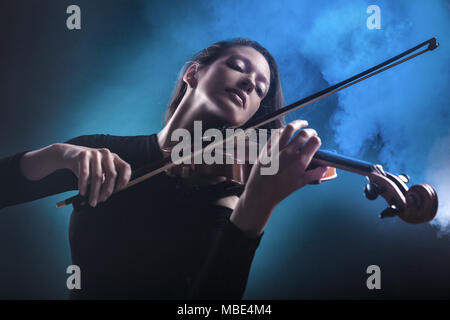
x: 259, y: 91
x: 237, y: 67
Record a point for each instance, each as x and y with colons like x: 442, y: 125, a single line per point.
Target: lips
x: 240, y: 96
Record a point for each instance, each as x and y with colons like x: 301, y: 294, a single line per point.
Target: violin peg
x: 371, y: 191
x: 389, y: 212
x: 404, y: 177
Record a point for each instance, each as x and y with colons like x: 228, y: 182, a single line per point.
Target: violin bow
x: 165, y: 163
x: 432, y: 44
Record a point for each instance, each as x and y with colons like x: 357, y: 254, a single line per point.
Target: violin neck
x: 331, y: 159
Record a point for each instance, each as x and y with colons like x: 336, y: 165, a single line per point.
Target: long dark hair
x: 274, y: 99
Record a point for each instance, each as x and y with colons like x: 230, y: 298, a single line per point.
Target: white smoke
x: 438, y: 175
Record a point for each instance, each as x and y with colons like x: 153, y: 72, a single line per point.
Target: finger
x: 315, y: 175
x: 300, y: 139
x: 83, y: 173
x: 124, y: 172
x: 96, y: 179
x: 110, y: 176
x: 272, y: 142
x: 280, y: 137
x: 308, y: 151
x: 289, y: 130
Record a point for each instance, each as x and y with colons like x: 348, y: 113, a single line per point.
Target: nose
x: 247, y: 84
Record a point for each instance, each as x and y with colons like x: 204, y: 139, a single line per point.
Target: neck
x: 190, y: 109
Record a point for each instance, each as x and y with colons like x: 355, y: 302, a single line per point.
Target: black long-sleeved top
x: 159, y: 239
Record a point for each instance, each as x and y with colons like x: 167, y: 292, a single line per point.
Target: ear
x: 191, y: 75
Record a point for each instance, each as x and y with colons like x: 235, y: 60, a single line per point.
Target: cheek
x: 215, y: 80
x: 254, y: 105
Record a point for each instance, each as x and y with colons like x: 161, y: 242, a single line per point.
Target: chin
x: 221, y: 112
x: 230, y: 112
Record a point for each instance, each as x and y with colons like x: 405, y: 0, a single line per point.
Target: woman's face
x: 235, y: 84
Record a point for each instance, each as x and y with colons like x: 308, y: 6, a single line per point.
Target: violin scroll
x: 417, y: 204
x: 421, y: 204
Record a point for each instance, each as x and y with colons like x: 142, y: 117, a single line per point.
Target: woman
x: 165, y: 238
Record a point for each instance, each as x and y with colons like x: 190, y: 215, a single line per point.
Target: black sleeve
x: 225, y: 272
x: 15, y: 188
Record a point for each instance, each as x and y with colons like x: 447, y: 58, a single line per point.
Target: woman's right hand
x: 105, y: 171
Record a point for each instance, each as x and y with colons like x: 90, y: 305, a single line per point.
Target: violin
x: 417, y: 204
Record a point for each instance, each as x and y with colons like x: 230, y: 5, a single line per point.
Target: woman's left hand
x: 263, y: 192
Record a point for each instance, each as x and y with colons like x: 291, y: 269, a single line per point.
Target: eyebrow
x: 248, y: 62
